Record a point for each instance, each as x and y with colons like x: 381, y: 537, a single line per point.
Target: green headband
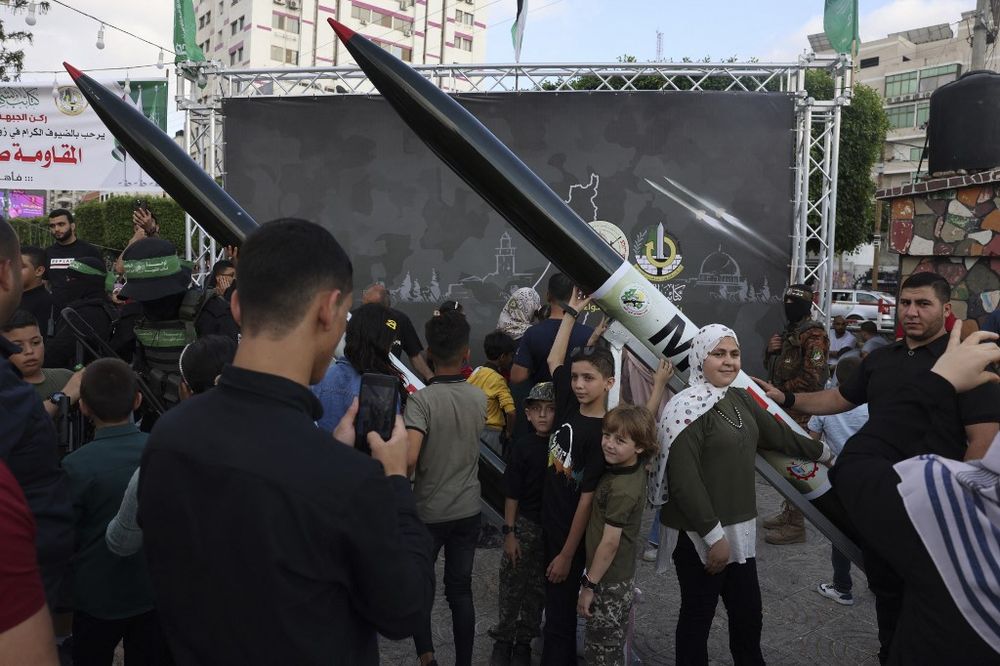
x: 153, y: 267
x: 80, y: 267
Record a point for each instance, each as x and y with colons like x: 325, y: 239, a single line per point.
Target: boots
x: 779, y: 519
x: 793, y: 531
x: 501, y: 654
x: 521, y: 655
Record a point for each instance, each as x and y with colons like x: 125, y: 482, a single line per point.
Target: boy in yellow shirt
x: 499, y: 348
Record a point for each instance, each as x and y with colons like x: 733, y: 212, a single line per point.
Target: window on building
x: 278, y: 53
x: 242, y: 22
x: 400, y: 52
x: 291, y: 57
x: 900, y: 84
x: 286, y: 23
x: 464, y: 18
x: 205, y: 19
x: 923, y: 114
x: 221, y: 5
x: 463, y: 43
x: 233, y: 28
x: 915, y: 154
x: 401, y: 24
x: 232, y: 58
x: 239, y: 54
x: 933, y: 78
x: 361, y: 14
x: 900, y: 116
x: 869, y: 62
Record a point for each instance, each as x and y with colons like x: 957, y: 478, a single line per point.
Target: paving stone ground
x: 800, y: 626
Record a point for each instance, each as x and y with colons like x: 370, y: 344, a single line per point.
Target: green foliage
x: 11, y: 57
x: 863, y: 127
x: 108, y: 224
x: 32, y: 230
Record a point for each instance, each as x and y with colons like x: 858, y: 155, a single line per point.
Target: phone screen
x: 377, y: 406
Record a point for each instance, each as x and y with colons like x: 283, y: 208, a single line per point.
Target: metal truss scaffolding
x: 203, y: 86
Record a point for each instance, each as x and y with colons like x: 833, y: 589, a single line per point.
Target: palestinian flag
x: 517, y: 30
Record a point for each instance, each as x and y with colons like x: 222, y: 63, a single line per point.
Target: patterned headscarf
x: 685, y: 407
x: 515, y: 318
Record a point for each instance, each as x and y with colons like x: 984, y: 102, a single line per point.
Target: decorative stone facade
x: 951, y: 226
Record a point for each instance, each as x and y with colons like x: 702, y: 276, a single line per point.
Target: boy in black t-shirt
x: 522, y: 570
x: 575, y: 465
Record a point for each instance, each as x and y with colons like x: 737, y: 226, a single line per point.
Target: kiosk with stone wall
x: 951, y: 226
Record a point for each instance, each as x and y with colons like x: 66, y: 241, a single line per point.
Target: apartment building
x: 259, y: 34
x: 905, y: 68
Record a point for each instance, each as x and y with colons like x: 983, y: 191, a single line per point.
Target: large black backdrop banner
x: 695, y: 188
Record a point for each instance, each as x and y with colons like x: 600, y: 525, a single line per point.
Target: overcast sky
x: 557, y: 30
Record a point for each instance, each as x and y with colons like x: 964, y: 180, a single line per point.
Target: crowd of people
x: 180, y: 473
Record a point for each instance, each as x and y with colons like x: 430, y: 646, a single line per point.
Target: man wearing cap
x: 796, y: 361
x: 83, y: 289
x: 173, y: 313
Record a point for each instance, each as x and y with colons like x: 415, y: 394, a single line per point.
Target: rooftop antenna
x: 659, y: 45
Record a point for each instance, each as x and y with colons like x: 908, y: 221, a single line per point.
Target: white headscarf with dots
x: 685, y: 407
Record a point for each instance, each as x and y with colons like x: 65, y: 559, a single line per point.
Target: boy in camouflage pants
x: 606, y: 588
x: 522, y: 570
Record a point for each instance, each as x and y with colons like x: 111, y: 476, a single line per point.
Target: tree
x: 12, y: 57
x: 863, y: 126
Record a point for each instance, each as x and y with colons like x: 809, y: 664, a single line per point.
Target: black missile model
x: 551, y: 226
x: 167, y: 163
x: 487, y: 165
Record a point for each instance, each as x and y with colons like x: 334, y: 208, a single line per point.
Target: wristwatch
x: 587, y: 583
x: 507, y: 529
x: 57, y: 397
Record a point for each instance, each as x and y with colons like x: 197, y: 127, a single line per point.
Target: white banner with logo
x: 50, y: 138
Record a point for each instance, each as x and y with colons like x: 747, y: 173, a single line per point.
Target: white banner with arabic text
x: 50, y: 138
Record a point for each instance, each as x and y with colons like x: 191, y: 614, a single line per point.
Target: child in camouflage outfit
x: 522, y: 569
x: 606, y: 589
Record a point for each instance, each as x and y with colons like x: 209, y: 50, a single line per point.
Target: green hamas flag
x: 185, y: 46
x: 840, y: 23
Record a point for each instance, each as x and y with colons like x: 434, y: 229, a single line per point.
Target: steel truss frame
x: 203, y: 87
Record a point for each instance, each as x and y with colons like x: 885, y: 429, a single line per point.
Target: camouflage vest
x: 160, y: 344
x: 794, y: 360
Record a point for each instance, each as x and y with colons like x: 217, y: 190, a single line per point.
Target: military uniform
x: 799, y: 367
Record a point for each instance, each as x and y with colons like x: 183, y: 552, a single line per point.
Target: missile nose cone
x: 342, y: 30
x: 73, y: 71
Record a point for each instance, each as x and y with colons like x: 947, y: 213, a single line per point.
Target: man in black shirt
x: 36, y: 298
x: 268, y: 541
x: 85, y: 289
x: 66, y: 248
x: 922, y: 307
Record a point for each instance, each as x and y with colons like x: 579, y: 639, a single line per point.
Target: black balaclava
x: 798, y: 303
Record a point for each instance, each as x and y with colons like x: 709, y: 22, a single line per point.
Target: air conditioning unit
x: 293, y: 4
x: 279, y: 2
x: 404, y: 5
x: 362, y: 21
x: 407, y: 31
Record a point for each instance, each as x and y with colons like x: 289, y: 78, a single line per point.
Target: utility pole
x: 979, y: 35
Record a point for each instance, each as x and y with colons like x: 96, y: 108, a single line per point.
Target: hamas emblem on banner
x: 634, y: 300
x: 658, y: 254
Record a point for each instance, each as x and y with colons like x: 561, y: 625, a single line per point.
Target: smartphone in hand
x: 378, y: 402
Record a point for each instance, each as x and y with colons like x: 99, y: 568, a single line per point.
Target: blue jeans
x: 654, y: 531
x: 841, y: 572
x: 458, y: 538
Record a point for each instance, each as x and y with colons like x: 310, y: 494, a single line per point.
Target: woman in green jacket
x: 711, y: 433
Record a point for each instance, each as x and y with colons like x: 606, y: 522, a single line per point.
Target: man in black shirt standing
x: 60, y: 254
x: 268, y: 541
x: 922, y: 307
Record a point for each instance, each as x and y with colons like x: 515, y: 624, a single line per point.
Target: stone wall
x: 951, y: 226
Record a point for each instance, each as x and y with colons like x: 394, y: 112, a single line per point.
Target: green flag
x: 840, y: 23
x: 185, y: 46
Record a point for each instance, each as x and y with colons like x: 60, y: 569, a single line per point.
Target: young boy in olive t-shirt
x: 606, y: 589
